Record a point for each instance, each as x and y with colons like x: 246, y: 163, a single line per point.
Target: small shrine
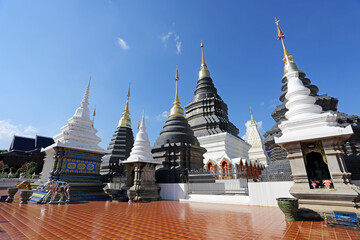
x: 257, y: 152
x: 312, y: 140
x: 177, y: 147
x: 119, y: 147
x: 141, y: 169
x: 75, y: 157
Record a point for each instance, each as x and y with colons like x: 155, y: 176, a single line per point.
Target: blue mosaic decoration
x: 78, y: 166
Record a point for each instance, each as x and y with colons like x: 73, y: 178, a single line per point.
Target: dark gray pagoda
x: 207, y: 113
x: 279, y: 167
x: 119, y: 147
x: 177, y: 147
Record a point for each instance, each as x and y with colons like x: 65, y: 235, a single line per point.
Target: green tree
x: 17, y: 173
x: 12, y: 169
x: 6, y: 168
x: 32, y: 166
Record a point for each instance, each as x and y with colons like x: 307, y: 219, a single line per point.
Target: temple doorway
x: 316, y: 166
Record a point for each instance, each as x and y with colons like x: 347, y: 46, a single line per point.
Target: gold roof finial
x: 203, y: 64
x: 204, y: 72
x: 287, y: 57
x: 176, y: 110
x: 252, y: 117
x: 93, y: 116
x: 176, y: 91
x: 125, y: 121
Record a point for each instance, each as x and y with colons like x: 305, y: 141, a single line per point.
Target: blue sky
x: 48, y: 50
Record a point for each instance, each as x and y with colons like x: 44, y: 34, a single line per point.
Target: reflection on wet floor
x: 157, y: 220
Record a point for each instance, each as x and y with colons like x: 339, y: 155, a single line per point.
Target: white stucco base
x: 173, y: 191
x: 260, y: 193
x: 223, y: 199
x: 265, y: 193
x: 48, y: 165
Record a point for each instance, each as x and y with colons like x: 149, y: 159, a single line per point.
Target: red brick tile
x: 157, y: 220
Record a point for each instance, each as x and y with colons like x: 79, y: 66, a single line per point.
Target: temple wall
x: 260, y: 193
x: 265, y: 193
x: 173, y: 191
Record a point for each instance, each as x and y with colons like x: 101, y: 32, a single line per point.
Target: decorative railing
x: 205, y: 182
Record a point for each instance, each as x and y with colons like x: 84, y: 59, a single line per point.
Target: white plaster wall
x: 223, y: 199
x: 173, y: 191
x: 265, y: 193
x: 48, y: 165
x: 260, y: 193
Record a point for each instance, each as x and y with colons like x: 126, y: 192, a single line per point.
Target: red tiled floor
x: 157, y: 220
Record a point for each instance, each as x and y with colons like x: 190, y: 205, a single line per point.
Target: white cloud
x: 164, y: 114
x: 8, y: 130
x: 123, y: 44
x: 262, y: 104
x: 247, y: 124
x: 178, y: 47
x: 166, y: 37
x: 147, y: 116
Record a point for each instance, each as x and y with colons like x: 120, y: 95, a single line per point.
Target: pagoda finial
x: 142, y: 123
x: 252, y: 116
x: 204, y: 72
x: 176, y: 91
x: 288, y: 59
x: 177, y: 110
x: 94, y: 113
x: 125, y: 121
x: 85, y: 100
x: 203, y: 64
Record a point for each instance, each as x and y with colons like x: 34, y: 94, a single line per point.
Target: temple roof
x: 20, y: 143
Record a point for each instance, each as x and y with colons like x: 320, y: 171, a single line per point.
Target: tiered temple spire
x: 120, y: 145
x: 177, y: 110
x: 257, y: 151
x: 204, y: 72
x: 125, y: 121
x: 175, y: 145
x: 207, y: 112
x: 77, y: 138
x: 288, y: 59
x: 252, y: 117
x: 141, y: 151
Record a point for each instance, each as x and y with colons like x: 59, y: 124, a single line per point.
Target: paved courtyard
x: 157, y: 220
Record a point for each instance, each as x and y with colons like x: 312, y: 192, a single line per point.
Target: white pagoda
x: 141, y: 169
x: 257, y: 152
x: 75, y: 157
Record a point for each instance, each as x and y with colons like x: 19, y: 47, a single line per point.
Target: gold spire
x: 125, y: 121
x: 252, y: 117
x: 204, y: 72
x: 287, y: 56
x: 93, y: 116
x: 177, y: 110
x: 203, y: 64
